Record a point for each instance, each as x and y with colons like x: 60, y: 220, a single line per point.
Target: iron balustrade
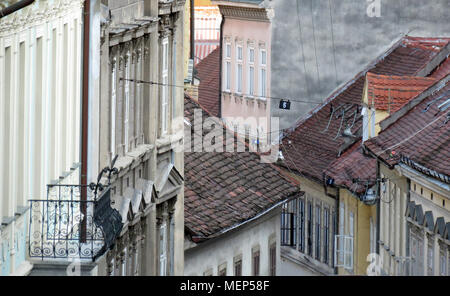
x: 69, y: 224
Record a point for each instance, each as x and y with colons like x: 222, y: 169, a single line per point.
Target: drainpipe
x: 14, y: 7
x: 222, y: 23
x: 85, y: 111
x: 192, y: 23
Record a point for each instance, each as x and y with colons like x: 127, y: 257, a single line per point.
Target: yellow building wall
x: 361, y: 215
x: 203, y: 3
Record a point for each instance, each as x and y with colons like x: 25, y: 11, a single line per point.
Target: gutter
x: 15, y: 7
x: 198, y: 239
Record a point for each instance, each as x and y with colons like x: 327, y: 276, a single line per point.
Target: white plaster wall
x: 211, y: 254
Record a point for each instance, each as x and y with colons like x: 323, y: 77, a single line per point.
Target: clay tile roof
x: 390, y: 93
x: 225, y: 189
x: 442, y: 70
x: 353, y: 164
x: 310, y: 148
x: 420, y: 138
x: 209, y: 74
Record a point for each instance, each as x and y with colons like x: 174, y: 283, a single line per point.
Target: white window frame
x: 443, y: 261
x: 113, y: 107
x: 430, y: 257
x: 127, y: 103
x: 343, y: 248
x: 163, y: 249
x: 341, y: 226
x: 239, y: 68
x: 164, y: 87
x: 262, y: 82
x: 251, y: 68
x: 227, y: 68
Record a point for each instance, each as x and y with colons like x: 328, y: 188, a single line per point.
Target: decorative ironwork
x: 63, y: 225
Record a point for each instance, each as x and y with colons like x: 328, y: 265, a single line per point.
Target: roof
x: 223, y: 190
x: 442, y: 70
x: 209, y: 74
x: 353, y: 164
x: 310, y: 148
x: 420, y: 138
x: 390, y: 93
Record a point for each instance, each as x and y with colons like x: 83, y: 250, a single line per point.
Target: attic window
x: 421, y: 190
x: 431, y: 196
x: 443, y: 202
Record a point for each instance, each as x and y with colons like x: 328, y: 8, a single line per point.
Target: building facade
x: 40, y: 74
x: 245, y: 67
x: 142, y: 58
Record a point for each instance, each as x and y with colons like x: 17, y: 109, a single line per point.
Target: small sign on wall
x: 285, y: 105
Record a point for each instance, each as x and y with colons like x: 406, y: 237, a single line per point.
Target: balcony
x: 72, y: 223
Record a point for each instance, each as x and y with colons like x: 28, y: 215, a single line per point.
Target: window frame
x: 262, y: 82
x: 256, y: 262
x: 164, y: 87
x: 239, y: 68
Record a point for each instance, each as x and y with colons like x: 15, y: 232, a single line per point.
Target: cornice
x: 246, y: 13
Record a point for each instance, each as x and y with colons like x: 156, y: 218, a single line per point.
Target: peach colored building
x: 245, y: 66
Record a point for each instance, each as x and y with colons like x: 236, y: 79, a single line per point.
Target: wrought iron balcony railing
x: 72, y: 223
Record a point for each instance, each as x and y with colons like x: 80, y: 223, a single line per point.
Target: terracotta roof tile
x: 224, y: 189
x: 389, y: 92
x: 209, y: 74
x: 442, y: 70
x: 310, y: 148
x: 419, y: 137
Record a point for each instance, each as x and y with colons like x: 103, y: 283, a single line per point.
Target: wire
x: 215, y: 89
x: 315, y: 47
x: 303, y: 50
x: 332, y: 42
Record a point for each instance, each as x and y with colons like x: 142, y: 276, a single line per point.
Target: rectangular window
x: 318, y: 232
x: 262, y: 82
x: 251, y: 71
x: 349, y: 250
x: 255, y: 263
x: 341, y: 227
x: 273, y: 259
x: 165, y: 87
x: 227, y: 76
x: 113, y: 107
x: 442, y: 261
x: 163, y: 249
x: 124, y: 262
x: 127, y: 102
x: 222, y: 270
x: 288, y: 224
x: 326, y: 235
x: 430, y: 259
x: 310, y: 228
x: 238, y: 267
x: 239, y: 73
x: 228, y: 50
x: 301, y: 243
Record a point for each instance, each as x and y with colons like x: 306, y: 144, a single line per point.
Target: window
x: 227, y: 68
x: 310, y: 228
x: 352, y: 235
x: 416, y: 252
x: 273, y: 259
x: 318, y: 232
x: 343, y: 248
x: 288, y: 224
x: 430, y: 257
x: 127, y: 102
x: 239, y: 69
x: 238, y: 266
x: 442, y: 261
x: 113, y: 107
x: 255, y: 262
x: 326, y: 235
x: 372, y: 236
x: 251, y: 71
x: 222, y: 270
x: 301, y: 205
x: 163, y: 249
x: 208, y: 272
x: 341, y: 226
x: 165, y: 87
x: 262, y: 74
x: 124, y: 262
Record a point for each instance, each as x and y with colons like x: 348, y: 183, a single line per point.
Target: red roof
x: 388, y: 92
x: 442, y: 70
x: 209, y: 74
x: 353, y: 164
x: 312, y: 147
x: 225, y: 189
x: 420, y: 138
